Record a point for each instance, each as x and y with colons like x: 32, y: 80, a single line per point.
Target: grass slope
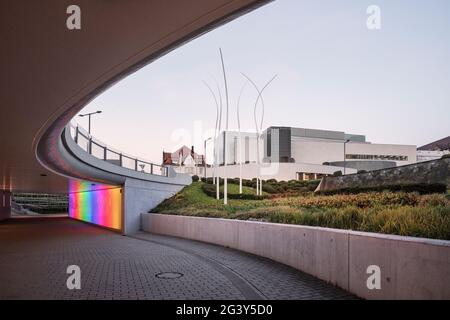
x: 408, y: 214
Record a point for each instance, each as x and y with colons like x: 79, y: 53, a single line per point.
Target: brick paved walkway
x: 34, y: 255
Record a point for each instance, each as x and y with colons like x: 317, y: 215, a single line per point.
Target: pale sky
x: 392, y: 85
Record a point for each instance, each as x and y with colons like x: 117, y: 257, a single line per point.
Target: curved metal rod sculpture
x: 225, y: 186
x: 218, y: 133
x: 215, y: 129
x: 240, y: 137
x: 262, y: 100
x: 260, y: 97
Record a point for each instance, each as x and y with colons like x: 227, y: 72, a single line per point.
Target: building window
x: 375, y: 157
x: 269, y: 143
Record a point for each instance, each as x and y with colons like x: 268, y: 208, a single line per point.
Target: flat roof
x: 322, y: 134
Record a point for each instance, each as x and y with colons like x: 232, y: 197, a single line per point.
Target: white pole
x: 260, y: 183
x: 217, y: 149
x: 240, y: 138
x: 257, y: 186
x: 225, y: 186
x: 217, y: 176
x: 240, y: 163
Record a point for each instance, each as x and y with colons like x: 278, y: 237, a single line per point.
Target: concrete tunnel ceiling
x: 49, y: 72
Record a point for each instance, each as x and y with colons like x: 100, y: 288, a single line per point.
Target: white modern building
x: 245, y: 153
x: 297, y: 153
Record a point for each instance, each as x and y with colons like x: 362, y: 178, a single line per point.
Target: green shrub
x: 362, y: 200
x: 267, y: 187
x: 312, y: 185
x: 195, y: 178
x: 246, y: 196
x: 421, y: 188
x: 234, y: 180
x: 289, y: 187
x: 362, y: 171
x: 210, y: 190
x: 446, y: 156
x: 210, y: 180
x: 337, y: 173
x: 247, y: 183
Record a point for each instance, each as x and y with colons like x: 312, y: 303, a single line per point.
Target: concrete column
x: 140, y: 197
x: 5, y: 204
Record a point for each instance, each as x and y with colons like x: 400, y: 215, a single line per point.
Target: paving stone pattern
x: 35, y: 254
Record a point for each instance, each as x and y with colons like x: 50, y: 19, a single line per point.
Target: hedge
x: 210, y: 190
x: 337, y: 173
x: 421, y: 188
x: 273, y: 186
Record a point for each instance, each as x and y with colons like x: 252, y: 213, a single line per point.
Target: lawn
x: 401, y: 213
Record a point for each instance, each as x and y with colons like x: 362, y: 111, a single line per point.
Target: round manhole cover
x: 169, y: 275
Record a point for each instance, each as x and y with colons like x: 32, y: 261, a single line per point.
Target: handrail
x: 103, y: 152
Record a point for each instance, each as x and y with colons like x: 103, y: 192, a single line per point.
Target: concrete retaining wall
x: 436, y: 171
x: 275, y: 170
x: 143, y: 196
x: 411, y: 268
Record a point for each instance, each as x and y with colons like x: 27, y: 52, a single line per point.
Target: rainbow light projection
x: 96, y: 203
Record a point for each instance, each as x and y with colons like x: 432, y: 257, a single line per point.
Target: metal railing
x: 103, y: 152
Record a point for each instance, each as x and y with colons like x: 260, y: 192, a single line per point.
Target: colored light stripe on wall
x: 101, y: 205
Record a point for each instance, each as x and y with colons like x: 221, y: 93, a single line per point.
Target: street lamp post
x: 89, y: 115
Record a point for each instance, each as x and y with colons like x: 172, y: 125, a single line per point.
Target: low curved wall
x: 411, y: 268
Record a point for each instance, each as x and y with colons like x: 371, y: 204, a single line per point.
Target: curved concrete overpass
x: 124, y: 191
x: 49, y: 72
